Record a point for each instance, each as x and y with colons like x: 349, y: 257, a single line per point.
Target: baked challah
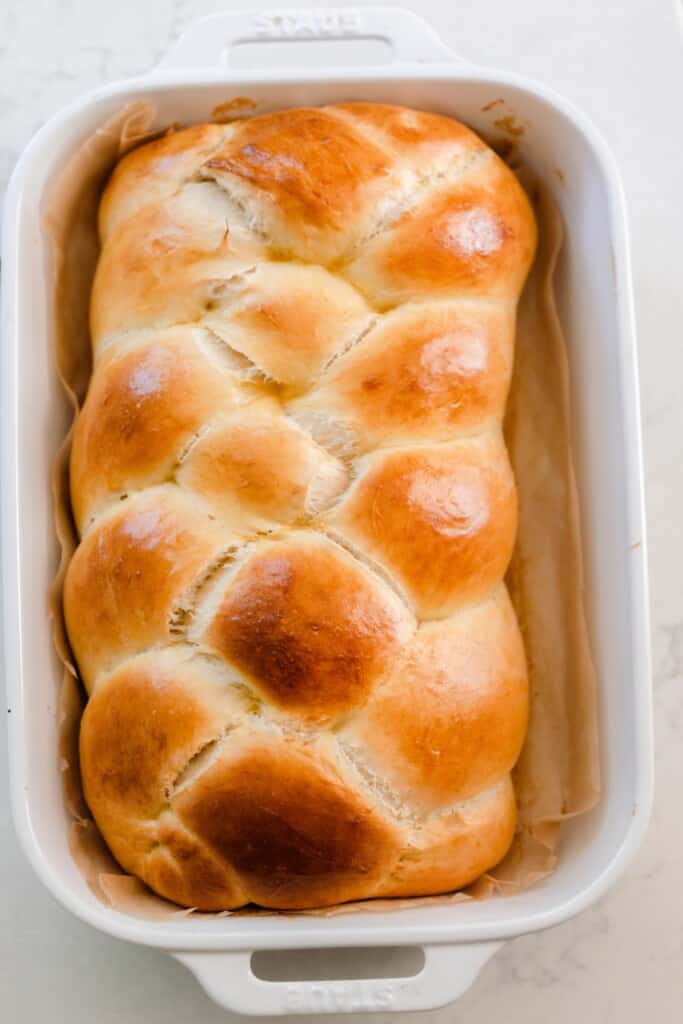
x: 306, y: 681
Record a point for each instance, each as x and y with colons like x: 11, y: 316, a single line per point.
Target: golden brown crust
x: 310, y: 630
x: 452, y: 717
x: 130, y: 573
x: 458, y: 847
x: 307, y: 684
x: 257, y: 471
x: 161, y: 267
x: 183, y: 869
x: 308, y: 165
x: 153, y: 172
x: 293, y: 828
x: 413, y: 134
x: 428, y: 372
x: 288, y: 320
x: 141, y: 729
x: 144, y: 404
x: 473, y: 238
x: 441, y: 519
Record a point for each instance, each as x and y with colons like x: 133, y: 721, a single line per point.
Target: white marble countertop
x: 622, y: 62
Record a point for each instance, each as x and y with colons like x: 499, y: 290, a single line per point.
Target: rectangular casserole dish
x: 595, y: 305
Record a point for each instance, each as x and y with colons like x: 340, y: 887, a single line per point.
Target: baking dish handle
x: 448, y: 971
x: 209, y: 41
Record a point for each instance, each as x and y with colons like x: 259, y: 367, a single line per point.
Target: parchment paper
x: 557, y: 775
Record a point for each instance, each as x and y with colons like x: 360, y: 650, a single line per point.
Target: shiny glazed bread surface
x: 306, y: 680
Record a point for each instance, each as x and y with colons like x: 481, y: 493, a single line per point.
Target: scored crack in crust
x: 306, y: 681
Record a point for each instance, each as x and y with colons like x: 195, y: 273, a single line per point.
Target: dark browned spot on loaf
x: 311, y: 163
x: 293, y: 832
x: 307, y: 627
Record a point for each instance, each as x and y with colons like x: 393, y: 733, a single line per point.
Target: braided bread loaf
x: 306, y: 680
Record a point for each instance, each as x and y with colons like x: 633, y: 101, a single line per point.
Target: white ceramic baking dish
x: 596, y: 311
